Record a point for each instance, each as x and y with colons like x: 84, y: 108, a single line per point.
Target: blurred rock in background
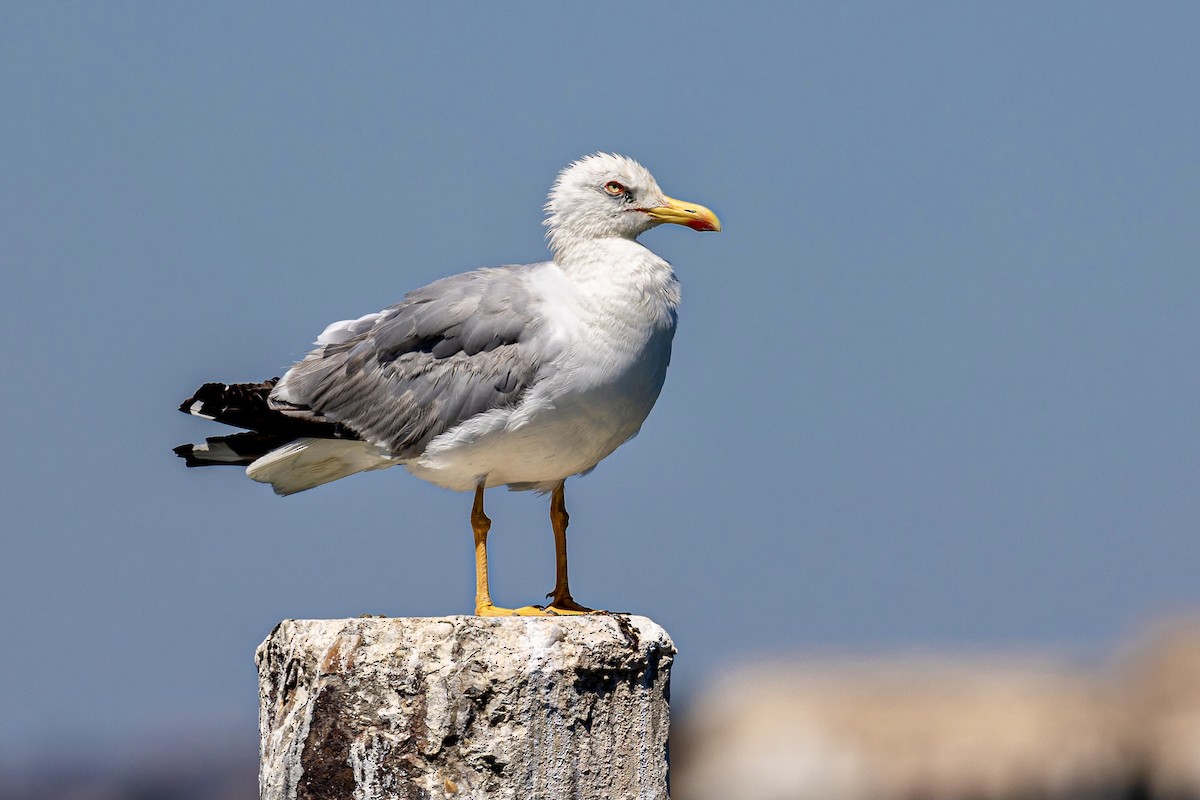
x: 950, y: 728
x: 1162, y: 694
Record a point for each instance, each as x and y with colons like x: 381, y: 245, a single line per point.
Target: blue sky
x: 934, y: 385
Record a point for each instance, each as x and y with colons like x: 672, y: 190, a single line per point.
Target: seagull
x: 518, y: 376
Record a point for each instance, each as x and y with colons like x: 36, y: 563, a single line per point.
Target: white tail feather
x: 306, y: 463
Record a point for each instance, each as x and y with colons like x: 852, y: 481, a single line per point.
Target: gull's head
x: 610, y: 196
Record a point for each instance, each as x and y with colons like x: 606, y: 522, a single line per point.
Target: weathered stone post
x: 521, y: 708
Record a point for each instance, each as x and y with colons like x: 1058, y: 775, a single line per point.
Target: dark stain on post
x: 325, y: 760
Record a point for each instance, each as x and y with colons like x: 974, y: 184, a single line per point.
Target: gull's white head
x: 610, y: 196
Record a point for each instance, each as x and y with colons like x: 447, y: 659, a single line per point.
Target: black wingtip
x: 215, y: 394
x: 242, y: 405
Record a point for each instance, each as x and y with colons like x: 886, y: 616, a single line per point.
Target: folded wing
x: 459, y: 347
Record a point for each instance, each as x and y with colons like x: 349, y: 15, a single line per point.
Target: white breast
x: 607, y: 341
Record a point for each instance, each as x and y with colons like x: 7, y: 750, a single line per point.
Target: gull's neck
x: 616, y: 257
x: 621, y: 275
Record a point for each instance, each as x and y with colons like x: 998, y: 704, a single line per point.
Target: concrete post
x: 465, y: 707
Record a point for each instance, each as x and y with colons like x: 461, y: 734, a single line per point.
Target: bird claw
x: 558, y: 611
x: 564, y: 607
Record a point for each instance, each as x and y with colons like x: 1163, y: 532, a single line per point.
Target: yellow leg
x: 483, y: 596
x: 561, y: 601
x: 481, y: 525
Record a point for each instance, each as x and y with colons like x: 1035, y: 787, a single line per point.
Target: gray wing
x: 449, y: 351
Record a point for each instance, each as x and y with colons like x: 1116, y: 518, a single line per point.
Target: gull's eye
x: 614, y: 188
